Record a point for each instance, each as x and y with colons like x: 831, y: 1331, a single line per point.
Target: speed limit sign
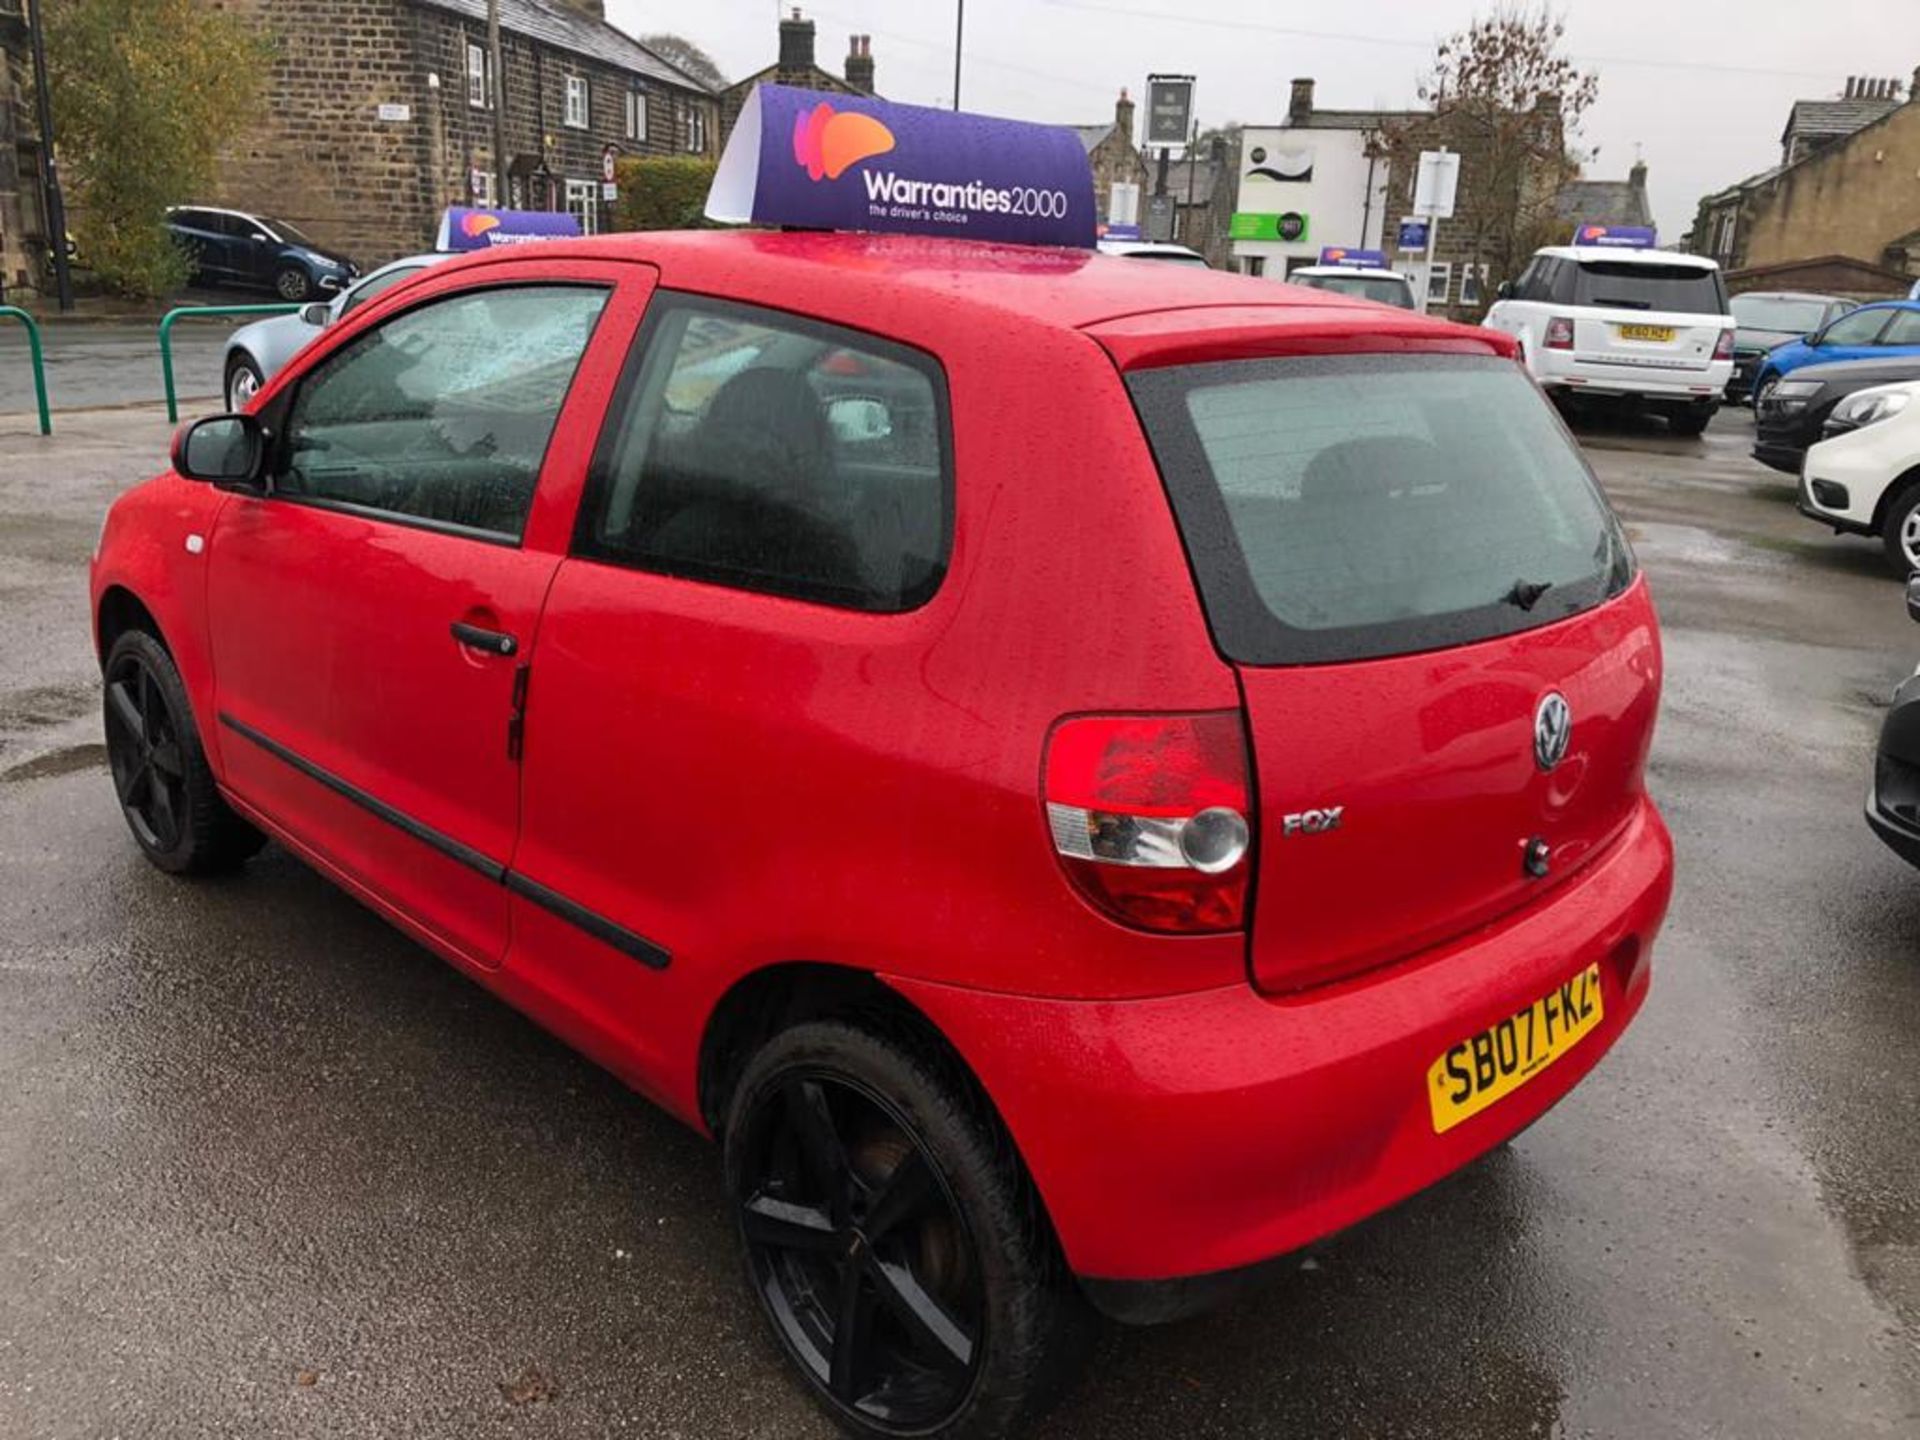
x: 607, y: 158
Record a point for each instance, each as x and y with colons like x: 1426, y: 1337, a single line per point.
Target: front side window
x: 1339, y: 508
x: 1903, y: 329
x: 576, y: 115
x: 1859, y: 328
x: 759, y: 450
x: 378, y: 284
x: 440, y: 416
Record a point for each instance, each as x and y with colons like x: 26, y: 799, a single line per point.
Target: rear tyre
x: 1692, y: 419
x: 243, y: 381
x: 160, y: 774
x: 1900, y: 532
x: 894, y: 1242
x: 293, y: 284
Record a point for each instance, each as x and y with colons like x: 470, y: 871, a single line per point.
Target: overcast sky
x: 1701, y: 86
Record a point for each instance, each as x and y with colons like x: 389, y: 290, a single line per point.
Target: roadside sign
x: 1413, y: 234
x: 1160, y: 218
x: 1291, y: 226
x: 392, y: 114
x: 1169, y: 109
x: 1439, y: 177
x: 609, y: 190
x: 609, y: 157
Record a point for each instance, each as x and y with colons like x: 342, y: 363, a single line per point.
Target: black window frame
x: 586, y: 544
x: 277, y: 418
x: 1245, y: 629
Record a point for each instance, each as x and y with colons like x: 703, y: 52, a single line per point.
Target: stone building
x: 796, y: 66
x: 23, y: 235
x: 1122, y: 182
x: 379, y: 114
x: 1202, y: 192
x: 1840, y: 213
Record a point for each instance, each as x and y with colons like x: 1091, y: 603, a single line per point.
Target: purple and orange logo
x: 477, y: 223
x: 1594, y: 232
x: 826, y: 141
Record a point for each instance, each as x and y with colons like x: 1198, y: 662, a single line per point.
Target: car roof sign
x: 811, y: 160
x: 1354, y: 259
x: 1617, y: 237
x: 465, y: 228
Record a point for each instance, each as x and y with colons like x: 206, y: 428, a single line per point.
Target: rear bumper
x: 1585, y: 375
x: 1179, y: 1139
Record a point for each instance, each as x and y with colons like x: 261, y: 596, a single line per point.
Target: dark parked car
x: 1789, y: 417
x: 1893, y: 809
x: 233, y: 248
x: 1773, y: 317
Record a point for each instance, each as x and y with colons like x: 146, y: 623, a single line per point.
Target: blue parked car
x: 1885, y: 330
x: 250, y: 252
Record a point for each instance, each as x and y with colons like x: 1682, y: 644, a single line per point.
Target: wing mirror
x: 1913, y: 595
x: 1504, y: 291
x: 221, y: 450
x: 319, y: 314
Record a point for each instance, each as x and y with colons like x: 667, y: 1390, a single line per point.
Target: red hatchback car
x: 1083, y: 776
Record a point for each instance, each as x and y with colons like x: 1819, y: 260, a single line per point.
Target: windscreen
x: 1772, y: 312
x: 1624, y: 285
x: 1339, y: 508
x: 1376, y: 288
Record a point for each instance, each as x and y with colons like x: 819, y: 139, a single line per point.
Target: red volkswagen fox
x: 1082, y: 776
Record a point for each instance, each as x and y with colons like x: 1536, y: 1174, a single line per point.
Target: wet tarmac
x: 268, y: 1169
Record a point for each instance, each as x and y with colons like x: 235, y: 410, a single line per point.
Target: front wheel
x: 1900, y: 533
x: 293, y: 284
x: 160, y: 773
x: 893, y: 1241
x: 1762, y: 390
x: 243, y: 381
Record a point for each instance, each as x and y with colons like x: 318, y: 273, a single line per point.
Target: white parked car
x: 1153, y: 250
x: 1864, y: 477
x: 1383, y: 287
x: 1643, y: 327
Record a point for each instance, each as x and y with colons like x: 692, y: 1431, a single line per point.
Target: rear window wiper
x: 1526, y: 594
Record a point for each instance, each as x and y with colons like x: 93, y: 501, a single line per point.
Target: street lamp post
x: 959, y: 28
x: 498, y: 97
x: 52, y: 205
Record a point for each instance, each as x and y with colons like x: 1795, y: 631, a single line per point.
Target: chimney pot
x: 1637, y: 176
x: 860, y: 62
x: 1123, y: 115
x: 1300, y: 102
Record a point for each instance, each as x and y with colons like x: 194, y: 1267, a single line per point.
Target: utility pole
x: 51, y: 204
x: 497, y: 97
x: 959, y: 29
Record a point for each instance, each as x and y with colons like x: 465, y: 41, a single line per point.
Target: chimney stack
x: 1123, y: 116
x: 1300, y: 103
x: 1637, y: 176
x: 1913, y: 91
x: 1852, y: 85
x: 593, y: 9
x: 860, y: 62
x: 796, y: 44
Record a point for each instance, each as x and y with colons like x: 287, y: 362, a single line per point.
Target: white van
x: 1636, y: 326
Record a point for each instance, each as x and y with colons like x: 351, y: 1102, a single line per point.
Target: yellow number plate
x: 1499, y: 1060
x: 1662, y: 333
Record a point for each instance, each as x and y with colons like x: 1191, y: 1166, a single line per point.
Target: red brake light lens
x: 1560, y: 333
x: 1150, y: 816
x: 1724, y: 350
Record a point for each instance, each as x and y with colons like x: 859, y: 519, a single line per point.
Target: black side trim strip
x: 426, y: 834
x: 626, y: 941
x: 618, y: 936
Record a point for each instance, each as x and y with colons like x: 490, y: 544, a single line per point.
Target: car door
x: 1902, y: 335
x: 770, y: 498
x: 1851, y: 337
x: 199, y: 233
x: 372, y: 615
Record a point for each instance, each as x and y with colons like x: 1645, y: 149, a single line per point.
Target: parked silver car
x: 257, y: 351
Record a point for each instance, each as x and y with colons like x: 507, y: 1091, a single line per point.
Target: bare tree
x: 1509, y: 100
x: 680, y: 51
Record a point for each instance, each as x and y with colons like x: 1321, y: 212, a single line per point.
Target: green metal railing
x: 14, y: 312
x: 166, y: 337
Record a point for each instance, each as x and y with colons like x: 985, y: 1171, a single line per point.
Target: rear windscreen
x: 1364, y: 287
x: 1339, y: 508
x: 1623, y: 285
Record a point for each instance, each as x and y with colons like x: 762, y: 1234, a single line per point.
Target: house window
x: 576, y: 116
x: 583, y: 203
x: 1723, y: 246
x: 692, y: 124
x: 637, y: 114
x: 1256, y: 265
x: 1473, y: 282
x: 1439, y: 281
x: 484, y: 190
x: 479, y: 77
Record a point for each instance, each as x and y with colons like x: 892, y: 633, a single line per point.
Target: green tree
x: 145, y: 93
x: 680, y: 51
x: 665, y: 192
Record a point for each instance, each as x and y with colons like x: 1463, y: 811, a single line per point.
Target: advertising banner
x: 1353, y: 259
x: 1413, y: 235
x: 850, y: 162
x: 1290, y: 227
x: 1619, y: 237
x: 1169, y: 109
x: 464, y: 228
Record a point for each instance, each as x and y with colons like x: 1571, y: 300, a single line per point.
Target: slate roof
x: 555, y: 24
x: 1203, y: 174
x: 1607, y: 202
x: 1835, y: 117
x: 1092, y: 135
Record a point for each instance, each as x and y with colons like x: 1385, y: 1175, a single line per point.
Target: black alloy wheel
x: 293, y: 284
x: 893, y: 1242
x: 160, y: 774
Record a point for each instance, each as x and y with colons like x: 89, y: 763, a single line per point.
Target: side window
x: 760, y: 450
x: 441, y: 415
x: 1859, y: 328
x: 1903, y: 329
x: 375, y: 285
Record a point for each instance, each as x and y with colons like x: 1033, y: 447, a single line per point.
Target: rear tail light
x: 1724, y: 349
x: 1560, y: 333
x: 1151, y: 817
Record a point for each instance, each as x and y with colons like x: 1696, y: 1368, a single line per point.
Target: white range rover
x: 1633, y: 326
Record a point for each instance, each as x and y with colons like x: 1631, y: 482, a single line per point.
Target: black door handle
x: 494, y: 642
